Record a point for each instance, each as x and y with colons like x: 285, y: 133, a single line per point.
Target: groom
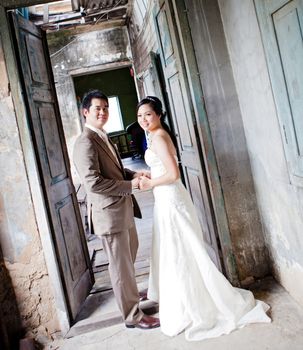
x: 111, y: 206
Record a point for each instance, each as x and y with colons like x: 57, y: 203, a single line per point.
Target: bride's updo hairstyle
x: 154, y: 102
x: 156, y: 105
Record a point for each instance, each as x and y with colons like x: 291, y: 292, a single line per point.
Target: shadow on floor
x: 11, y: 330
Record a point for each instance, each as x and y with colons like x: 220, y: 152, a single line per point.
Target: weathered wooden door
x: 281, y: 23
x: 185, y: 126
x: 53, y: 163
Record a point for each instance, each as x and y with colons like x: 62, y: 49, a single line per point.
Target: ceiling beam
x: 90, y: 12
x: 12, y: 4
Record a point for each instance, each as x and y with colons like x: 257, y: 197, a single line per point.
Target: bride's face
x: 147, y: 118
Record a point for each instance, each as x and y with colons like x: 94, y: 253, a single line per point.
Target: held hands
x: 135, y: 182
x: 145, y: 183
x: 141, y: 180
x: 141, y: 183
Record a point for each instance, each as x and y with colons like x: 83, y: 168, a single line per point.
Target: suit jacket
x: 111, y: 206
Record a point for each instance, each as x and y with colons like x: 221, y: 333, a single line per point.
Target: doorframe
x: 204, y: 137
x: 156, y: 70
x: 31, y: 168
x: 73, y: 73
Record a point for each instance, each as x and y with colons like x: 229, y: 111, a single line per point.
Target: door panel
x: 289, y: 38
x: 50, y: 135
x: 185, y: 126
x: 53, y: 163
x: 281, y: 24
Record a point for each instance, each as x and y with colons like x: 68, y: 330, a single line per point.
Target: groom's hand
x: 144, y: 183
x: 135, y: 183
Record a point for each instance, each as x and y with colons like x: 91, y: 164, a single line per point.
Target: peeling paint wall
x: 85, y: 53
x: 23, y: 258
x: 280, y: 203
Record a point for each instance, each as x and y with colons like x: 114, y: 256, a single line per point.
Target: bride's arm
x: 163, y: 148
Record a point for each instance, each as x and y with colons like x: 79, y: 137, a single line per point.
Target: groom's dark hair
x: 87, y: 98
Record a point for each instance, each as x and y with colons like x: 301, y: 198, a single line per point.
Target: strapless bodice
x: 153, y: 161
x: 173, y: 193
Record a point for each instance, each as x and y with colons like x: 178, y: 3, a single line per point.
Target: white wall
x: 280, y: 203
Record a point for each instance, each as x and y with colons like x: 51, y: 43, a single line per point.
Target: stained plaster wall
x: 280, y: 203
x: 226, y: 127
x: 74, y: 54
x: 26, y: 276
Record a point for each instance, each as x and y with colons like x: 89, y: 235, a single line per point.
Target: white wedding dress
x: 192, y: 293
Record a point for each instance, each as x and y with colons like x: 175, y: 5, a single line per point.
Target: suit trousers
x: 121, y: 250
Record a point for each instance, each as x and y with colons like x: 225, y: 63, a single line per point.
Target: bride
x: 192, y: 293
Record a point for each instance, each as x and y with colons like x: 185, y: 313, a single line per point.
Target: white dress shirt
x: 102, y: 133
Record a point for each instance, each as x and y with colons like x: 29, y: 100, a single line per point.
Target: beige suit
x: 111, y: 209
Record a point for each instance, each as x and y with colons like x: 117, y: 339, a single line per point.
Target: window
x: 115, y: 121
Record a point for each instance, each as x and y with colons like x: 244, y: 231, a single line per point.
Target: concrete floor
x: 284, y: 333
x: 100, y: 325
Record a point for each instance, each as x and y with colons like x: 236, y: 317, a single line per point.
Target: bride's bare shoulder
x: 161, y: 134
x: 160, y: 137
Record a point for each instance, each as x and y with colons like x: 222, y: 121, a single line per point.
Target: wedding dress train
x: 193, y: 294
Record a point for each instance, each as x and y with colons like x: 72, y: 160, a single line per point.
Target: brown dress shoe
x: 146, y: 322
x: 143, y: 295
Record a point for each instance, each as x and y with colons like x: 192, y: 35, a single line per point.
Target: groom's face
x: 97, y: 114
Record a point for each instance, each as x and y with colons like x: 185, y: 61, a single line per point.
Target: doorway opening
x: 100, y: 308
x: 73, y: 263
x: 81, y: 78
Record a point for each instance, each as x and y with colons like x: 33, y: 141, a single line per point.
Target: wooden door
x: 185, y: 126
x: 53, y: 163
x: 281, y: 23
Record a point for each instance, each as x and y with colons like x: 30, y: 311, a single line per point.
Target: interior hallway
x: 100, y: 325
